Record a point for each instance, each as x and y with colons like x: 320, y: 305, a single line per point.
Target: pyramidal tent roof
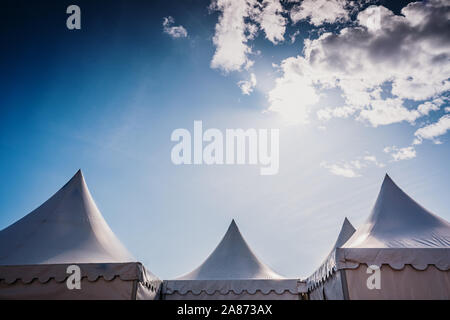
x: 347, y: 230
x: 231, y: 260
x: 327, y: 266
x: 67, y: 228
x: 397, y: 221
x: 398, y: 231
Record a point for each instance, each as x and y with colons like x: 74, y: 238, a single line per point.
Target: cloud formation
x: 173, y: 31
x: 405, y: 57
x: 352, y: 169
x: 345, y: 170
x: 401, y: 153
x: 388, y: 68
x: 272, y: 21
x: 232, y: 34
x: 247, y: 85
x: 434, y: 130
x: 239, y: 22
x: 319, y: 12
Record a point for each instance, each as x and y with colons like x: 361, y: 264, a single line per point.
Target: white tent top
x: 232, y: 260
x: 233, y: 267
x: 397, y: 221
x: 328, y: 265
x: 399, y: 231
x: 67, y: 228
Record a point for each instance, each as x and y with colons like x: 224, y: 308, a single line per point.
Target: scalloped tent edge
x: 328, y: 266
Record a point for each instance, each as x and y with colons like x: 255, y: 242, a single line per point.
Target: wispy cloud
x: 173, y: 31
x: 398, y: 154
x: 352, y: 169
x: 247, y: 85
x: 344, y: 170
x: 433, y: 130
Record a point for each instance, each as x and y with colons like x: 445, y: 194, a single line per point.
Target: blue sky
x: 106, y: 99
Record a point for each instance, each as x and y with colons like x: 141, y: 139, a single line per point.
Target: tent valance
x: 224, y: 287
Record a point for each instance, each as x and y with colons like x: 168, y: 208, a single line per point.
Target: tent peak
x: 347, y: 230
x: 67, y: 228
x: 397, y: 220
x: 346, y: 221
x: 388, y: 180
x: 233, y: 225
x: 78, y: 176
x: 232, y: 259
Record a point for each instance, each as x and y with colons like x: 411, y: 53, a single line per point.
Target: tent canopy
x: 397, y: 221
x: 233, y: 270
x: 67, y: 228
x: 232, y: 259
x: 398, y: 231
x: 328, y: 265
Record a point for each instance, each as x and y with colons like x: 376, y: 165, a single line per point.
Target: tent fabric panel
x: 91, y: 271
x: 100, y: 289
x: 331, y: 289
x: 316, y: 293
x: 405, y: 284
x: 145, y: 293
x: 396, y: 258
x: 258, y: 295
x: 235, y: 286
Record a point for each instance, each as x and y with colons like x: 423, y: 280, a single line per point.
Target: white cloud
x: 247, y: 85
x: 401, y: 153
x: 232, y: 34
x: 447, y: 109
x: 373, y: 160
x: 406, y: 57
x: 344, y: 170
x: 428, y: 106
x: 384, y: 112
x: 294, y: 35
x: 339, y: 112
x: 272, y: 21
x: 352, y: 169
x: 320, y: 11
x: 293, y: 95
x: 173, y: 31
x: 433, y: 130
x: 239, y: 22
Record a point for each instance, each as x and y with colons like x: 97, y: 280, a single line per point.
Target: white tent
x: 68, y: 229
x: 317, y: 286
x: 409, y: 244
x: 232, y: 271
